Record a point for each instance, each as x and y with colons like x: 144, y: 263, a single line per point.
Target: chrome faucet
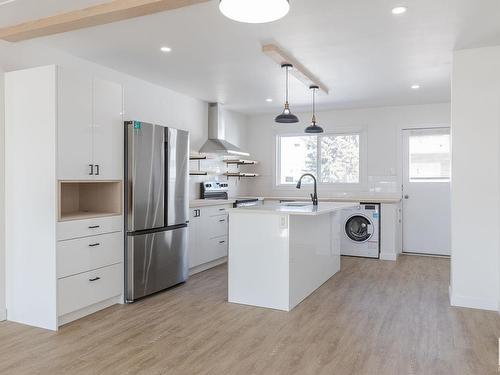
x: 314, y: 196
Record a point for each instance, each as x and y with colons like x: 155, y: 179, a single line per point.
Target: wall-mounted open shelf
x: 240, y: 175
x: 239, y: 162
x: 89, y: 199
x: 198, y: 157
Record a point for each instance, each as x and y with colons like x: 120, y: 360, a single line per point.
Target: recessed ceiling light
x: 399, y: 10
x: 166, y: 49
x: 415, y: 87
x: 254, y: 11
x: 269, y: 100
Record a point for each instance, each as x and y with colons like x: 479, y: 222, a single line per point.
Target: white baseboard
x: 388, y: 256
x: 206, y: 266
x: 3, y: 314
x: 65, y: 319
x: 471, y: 302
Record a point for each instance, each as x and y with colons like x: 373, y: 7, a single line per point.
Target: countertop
x: 348, y: 198
x: 307, y: 210
x: 368, y: 198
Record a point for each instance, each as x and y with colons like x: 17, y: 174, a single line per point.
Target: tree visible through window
x: 332, y: 158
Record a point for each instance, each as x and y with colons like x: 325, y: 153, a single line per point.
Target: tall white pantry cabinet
x: 64, y: 187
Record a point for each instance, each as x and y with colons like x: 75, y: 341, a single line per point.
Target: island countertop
x: 306, y: 209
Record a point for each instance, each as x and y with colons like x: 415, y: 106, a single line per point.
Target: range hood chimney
x: 216, y: 143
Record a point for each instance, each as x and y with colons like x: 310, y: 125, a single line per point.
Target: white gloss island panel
x: 278, y: 255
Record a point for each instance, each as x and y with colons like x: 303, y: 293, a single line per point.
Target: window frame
x: 324, y: 185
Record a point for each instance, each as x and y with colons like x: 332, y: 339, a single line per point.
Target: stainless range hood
x: 216, y: 143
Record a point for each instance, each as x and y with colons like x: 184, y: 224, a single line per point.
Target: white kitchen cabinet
x: 193, y: 238
x: 208, y: 233
x: 60, y: 271
x: 75, y: 125
x: 108, y: 130
x: 391, y: 231
x: 90, y: 127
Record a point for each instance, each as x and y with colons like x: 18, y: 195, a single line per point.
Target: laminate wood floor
x: 373, y: 317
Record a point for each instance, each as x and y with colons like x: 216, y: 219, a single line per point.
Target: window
x: 429, y: 156
x: 333, y: 158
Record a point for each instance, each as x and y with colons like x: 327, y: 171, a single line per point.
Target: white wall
x: 380, y: 127
x: 2, y: 200
x: 475, y: 228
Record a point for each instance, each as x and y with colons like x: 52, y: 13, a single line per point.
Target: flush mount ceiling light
x: 166, y: 49
x: 286, y: 117
x: 254, y: 11
x: 399, y: 10
x: 313, y: 128
x: 415, y: 87
x: 269, y: 100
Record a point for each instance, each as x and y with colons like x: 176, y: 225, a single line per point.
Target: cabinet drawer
x: 89, y: 227
x: 218, y: 248
x: 216, y: 226
x: 89, y: 253
x: 77, y: 292
x: 215, y: 210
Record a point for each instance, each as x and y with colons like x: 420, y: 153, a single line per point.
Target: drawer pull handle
x: 95, y: 279
x: 94, y: 244
x: 94, y: 226
x: 222, y: 209
x: 222, y: 241
x: 222, y: 220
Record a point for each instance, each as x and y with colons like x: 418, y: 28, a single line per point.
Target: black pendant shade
x: 313, y: 128
x: 286, y: 117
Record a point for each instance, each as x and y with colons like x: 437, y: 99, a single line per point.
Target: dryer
x: 361, y: 231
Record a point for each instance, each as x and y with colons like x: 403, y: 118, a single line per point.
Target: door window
x: 429, y: 155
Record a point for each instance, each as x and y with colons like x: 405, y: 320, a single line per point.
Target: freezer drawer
x: 155, y: 261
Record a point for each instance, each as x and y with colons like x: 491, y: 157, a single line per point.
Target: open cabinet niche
x: 84, y: 200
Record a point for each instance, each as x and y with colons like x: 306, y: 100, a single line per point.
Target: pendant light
x: 313, y: 128
x: 254, y: 11
x: 286, y: 117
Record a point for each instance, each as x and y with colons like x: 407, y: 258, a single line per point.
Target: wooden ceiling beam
x: 111, y: 11
x: 299, y: 71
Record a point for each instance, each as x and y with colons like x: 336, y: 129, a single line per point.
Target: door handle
x: 91, y: 169
x: 97, y: 169
x: 407, y: 196
x: 222, y: 242
x: 95, y: 279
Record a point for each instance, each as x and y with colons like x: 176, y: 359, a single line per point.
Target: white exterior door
x: 426, y: 191
x: 108, y: 130
x: 74, y: 153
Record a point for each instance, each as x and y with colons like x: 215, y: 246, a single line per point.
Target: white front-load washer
x: 361, y: 231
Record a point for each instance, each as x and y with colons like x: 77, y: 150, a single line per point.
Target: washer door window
x: 358, y: 228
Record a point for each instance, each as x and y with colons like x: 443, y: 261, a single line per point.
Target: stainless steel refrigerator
x: 156, y: 208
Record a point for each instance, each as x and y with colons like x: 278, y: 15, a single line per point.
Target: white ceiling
x: 367, y: 56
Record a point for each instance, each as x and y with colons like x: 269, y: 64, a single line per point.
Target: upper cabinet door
x: 75, y: 126
x: 108, y: 130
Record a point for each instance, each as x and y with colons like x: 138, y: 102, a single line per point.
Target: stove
x: 219, y: 190
x: 214, y: 190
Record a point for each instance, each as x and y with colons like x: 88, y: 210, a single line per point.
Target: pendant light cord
x: 286, y: 85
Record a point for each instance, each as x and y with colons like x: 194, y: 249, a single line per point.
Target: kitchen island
x: 280, y: 254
